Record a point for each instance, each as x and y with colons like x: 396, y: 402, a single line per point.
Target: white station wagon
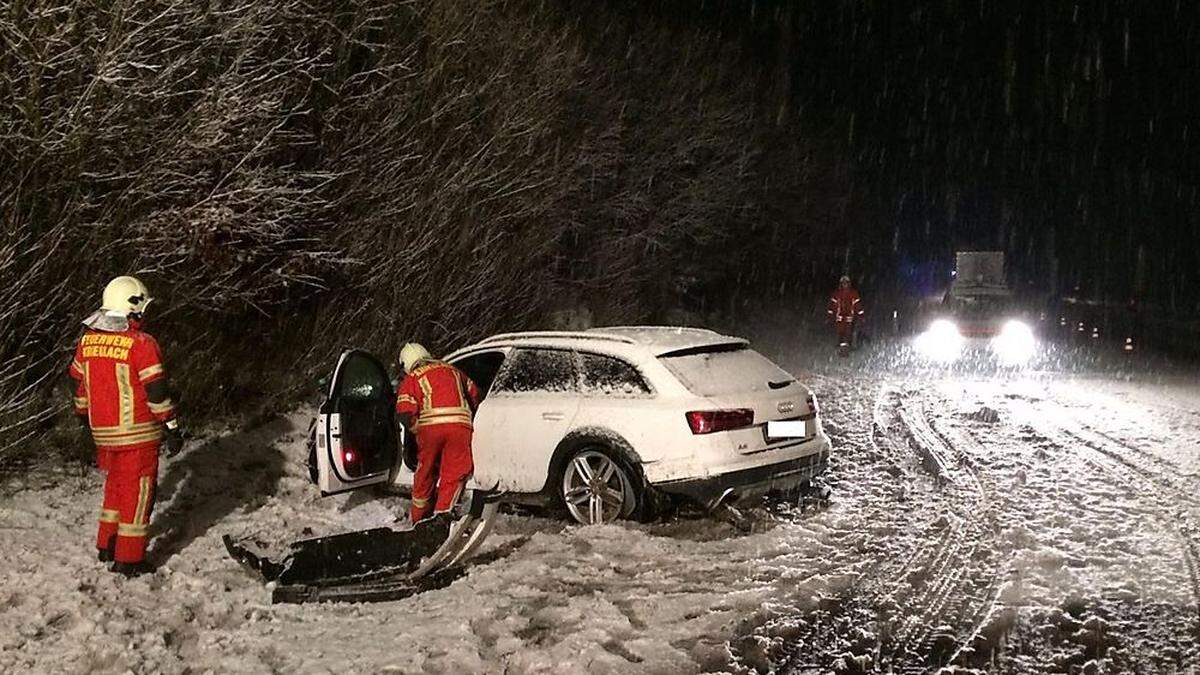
x: 605, y: 422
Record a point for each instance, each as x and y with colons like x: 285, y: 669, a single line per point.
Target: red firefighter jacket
x: 113, y: 370
x: 845, y: 305
x: 437, y: 393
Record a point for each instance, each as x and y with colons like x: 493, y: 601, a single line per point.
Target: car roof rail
x: 659, y: 329
x: 559, y: 335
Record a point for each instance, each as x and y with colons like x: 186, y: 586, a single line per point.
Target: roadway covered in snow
x: 1004, y: 522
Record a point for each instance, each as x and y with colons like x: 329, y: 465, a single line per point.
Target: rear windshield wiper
x: 780, y: 384
x: 719, y: 348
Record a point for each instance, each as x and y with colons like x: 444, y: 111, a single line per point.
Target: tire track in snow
x: 1134, y: 462
x: 1134, y: 465
x: 884, y: 432
x: 950, y: 576
x: 954, y: 593
x: 988, y: 600
x: 979, y: 607
x: 912, y: 598
x: 859, y: 421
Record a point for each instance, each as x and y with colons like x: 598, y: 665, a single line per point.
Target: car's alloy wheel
x: 595, y: 488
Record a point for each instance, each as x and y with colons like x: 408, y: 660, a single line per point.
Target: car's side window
x: 610, y: 376
x: 538, y: 370
x: 481, y: 368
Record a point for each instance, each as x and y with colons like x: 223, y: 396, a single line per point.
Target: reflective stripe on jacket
x: 845, y: 305
x: 112, y: 370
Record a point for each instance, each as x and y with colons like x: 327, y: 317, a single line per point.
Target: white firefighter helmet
x: 125, y: 295
x: 845, y: 279
x: 411, y: 354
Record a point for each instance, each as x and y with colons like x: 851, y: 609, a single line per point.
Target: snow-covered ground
x: 1012, y: 523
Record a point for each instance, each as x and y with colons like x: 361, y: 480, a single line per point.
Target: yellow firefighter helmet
x: 411, y: 354
x: 126, y: 295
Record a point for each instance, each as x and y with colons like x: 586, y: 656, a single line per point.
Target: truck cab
x: 979, y: 319
x: 979, y: 300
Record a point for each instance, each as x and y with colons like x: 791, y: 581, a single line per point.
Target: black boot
x: 106, y: 554
x: 132, y: 570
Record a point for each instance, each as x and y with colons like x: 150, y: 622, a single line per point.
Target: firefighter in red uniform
x: 845, y: 310
x: 437, y: 401
x: 122, y: 394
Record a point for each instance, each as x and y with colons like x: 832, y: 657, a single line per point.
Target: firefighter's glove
x: 174, y: 438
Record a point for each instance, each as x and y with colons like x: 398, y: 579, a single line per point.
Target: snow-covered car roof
x: 658, y: 340
x: 666, y: 339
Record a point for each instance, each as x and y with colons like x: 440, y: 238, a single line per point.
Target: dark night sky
x: 1063, y: 132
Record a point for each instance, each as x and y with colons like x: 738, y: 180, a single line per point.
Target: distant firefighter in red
x: 121, y: 394
x: 845, y: 311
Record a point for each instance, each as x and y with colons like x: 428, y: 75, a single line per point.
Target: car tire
x: 596, y: 485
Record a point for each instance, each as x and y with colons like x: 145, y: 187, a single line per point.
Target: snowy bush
x: 292, y: 178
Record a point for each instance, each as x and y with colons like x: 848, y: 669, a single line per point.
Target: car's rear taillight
x: 812, y: 403
x: 709, y: 421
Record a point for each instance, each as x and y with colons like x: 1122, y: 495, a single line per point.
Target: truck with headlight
x: 979, y: 318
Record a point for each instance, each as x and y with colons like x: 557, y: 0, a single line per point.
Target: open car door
x: 356, y: 442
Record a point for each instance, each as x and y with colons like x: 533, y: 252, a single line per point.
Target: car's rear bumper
x: 754, y: 481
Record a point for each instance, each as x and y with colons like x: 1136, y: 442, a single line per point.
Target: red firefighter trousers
x: 443, y: 464
x: 128, y: 500
x: 845, y: 332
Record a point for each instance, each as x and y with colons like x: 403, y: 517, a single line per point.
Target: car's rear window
x: 725, y: 371
x: 611, y: 377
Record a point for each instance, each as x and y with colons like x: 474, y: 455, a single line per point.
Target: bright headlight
x: 1015, y: 344
x: 942, y: 342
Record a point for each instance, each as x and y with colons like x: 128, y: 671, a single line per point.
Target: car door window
x: 481, y: 368
x: 612, y: 377
x: 539, y: 370
x: 362, y: 379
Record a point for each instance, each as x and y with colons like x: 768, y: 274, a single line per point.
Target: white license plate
x: 787, y: 429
